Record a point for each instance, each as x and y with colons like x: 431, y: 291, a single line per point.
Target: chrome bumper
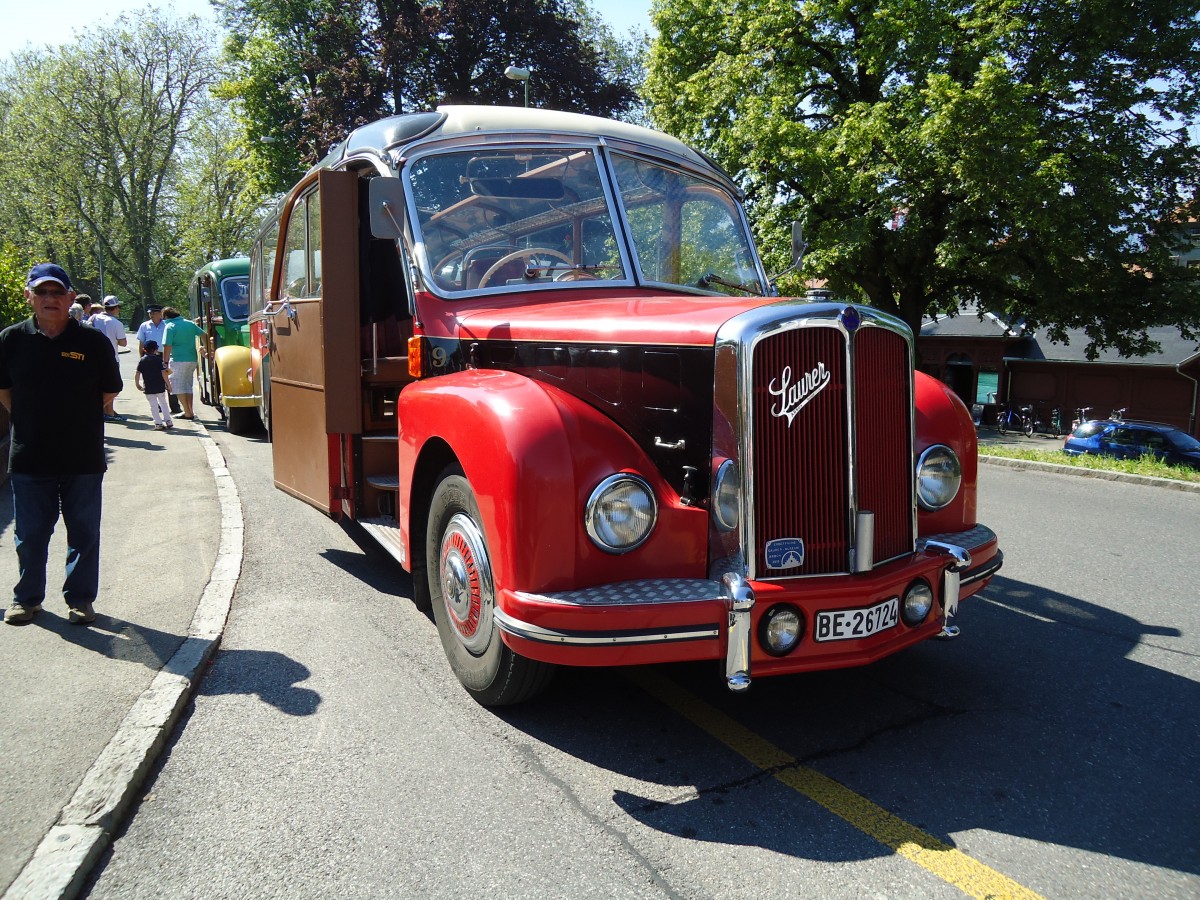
x: 737, y: 595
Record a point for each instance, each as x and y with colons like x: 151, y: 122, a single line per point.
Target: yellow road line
x: 953, y: 866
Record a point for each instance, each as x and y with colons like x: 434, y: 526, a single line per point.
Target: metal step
x: 387, y: 533
x: 384, y: 482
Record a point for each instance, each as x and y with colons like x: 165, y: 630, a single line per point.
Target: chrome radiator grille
x: 831, y: 434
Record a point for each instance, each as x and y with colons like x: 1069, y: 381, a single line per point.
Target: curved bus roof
x: 455, y: 121
x: 226, y: 268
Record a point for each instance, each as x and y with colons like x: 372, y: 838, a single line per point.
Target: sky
x: 29, y: 23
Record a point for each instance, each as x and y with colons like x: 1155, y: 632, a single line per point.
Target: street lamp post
x: 516, y: 73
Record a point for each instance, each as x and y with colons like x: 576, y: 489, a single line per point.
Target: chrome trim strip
x: 991, y: 567
x: 517, y: 628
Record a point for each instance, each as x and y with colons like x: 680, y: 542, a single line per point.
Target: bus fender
x: 942, y: 418
x: 232, y: 364
x: 533, y: 454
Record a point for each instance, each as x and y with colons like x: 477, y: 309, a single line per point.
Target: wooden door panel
x: 315, y: 365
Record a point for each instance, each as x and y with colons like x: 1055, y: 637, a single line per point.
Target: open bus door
x: 210, y: 388
x: 314, y: 360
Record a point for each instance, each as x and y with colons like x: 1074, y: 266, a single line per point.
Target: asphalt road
x: 1051, y: 750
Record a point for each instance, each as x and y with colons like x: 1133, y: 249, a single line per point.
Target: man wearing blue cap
x: 55, y: 378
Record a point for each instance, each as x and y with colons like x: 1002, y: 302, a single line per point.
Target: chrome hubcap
x: 467, y: 590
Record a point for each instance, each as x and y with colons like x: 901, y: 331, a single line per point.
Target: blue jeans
x: 37, y: 501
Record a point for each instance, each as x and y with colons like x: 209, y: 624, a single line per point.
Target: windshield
x: 685, y: 230
x: 235, y: 296
x: 511, y: 218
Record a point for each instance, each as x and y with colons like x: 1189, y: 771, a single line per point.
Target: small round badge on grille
x: 850, y: 318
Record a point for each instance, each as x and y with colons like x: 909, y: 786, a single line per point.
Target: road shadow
x: 1036, y: 723
x: 257, y: 434
x: 374, y: 566
x: 113, y: 637
x: 271, y: 676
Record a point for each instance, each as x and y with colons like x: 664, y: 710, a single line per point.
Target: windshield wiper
x: 713, y: 278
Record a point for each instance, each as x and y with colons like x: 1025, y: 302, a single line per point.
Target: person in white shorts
x: 180, y: 353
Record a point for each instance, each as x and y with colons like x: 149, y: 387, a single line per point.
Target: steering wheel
x: 529, y: 253
x: 445, y: 260
x: 575, y: 275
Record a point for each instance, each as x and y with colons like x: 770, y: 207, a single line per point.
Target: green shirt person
x: 179, y: 353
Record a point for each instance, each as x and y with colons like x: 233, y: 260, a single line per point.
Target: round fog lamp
x: 780, y: 629
x: 918, y: 600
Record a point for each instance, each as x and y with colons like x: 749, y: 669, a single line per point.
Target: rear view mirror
x: 798, y: 244
x: 517, y: 176
x: 387, y: 207
x: 527, y: 188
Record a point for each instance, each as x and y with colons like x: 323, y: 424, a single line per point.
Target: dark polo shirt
x: 58, y: 389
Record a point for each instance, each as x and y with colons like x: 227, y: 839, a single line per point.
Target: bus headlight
x: 939, y: 475
x: 621, y: 513
x: 727, y: 496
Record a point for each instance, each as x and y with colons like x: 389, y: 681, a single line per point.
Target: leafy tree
x: 13, y: 269
x: 622, y: 58
x: 90, y: 150
x: 305, y: 73
x: 285, y: 58
x: 1030, y: 156
x: 219, y: 209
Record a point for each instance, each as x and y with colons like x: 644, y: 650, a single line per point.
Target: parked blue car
x: 1130, y: 440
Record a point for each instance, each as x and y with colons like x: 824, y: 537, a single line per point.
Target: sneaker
x: 170, y: 424
x: 81, y: 615
x: 18, y: 614
x: 160, y: 427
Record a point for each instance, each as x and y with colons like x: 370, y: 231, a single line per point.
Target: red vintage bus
x: 535, y: 355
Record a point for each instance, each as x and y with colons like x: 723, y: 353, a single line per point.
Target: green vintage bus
x: 219, y: 300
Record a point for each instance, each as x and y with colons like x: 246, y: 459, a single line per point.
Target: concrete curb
x: 65, y: 857
x: 1144, y: 480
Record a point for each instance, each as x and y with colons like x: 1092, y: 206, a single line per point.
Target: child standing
x: 151, y: 378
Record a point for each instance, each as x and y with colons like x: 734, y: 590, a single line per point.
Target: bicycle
x: 1054, y: 426
x: 1022, y: 420
x: 1118, y: 415
x: 1081, y: 416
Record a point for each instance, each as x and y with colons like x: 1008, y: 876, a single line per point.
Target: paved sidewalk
x: 85, y: 709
